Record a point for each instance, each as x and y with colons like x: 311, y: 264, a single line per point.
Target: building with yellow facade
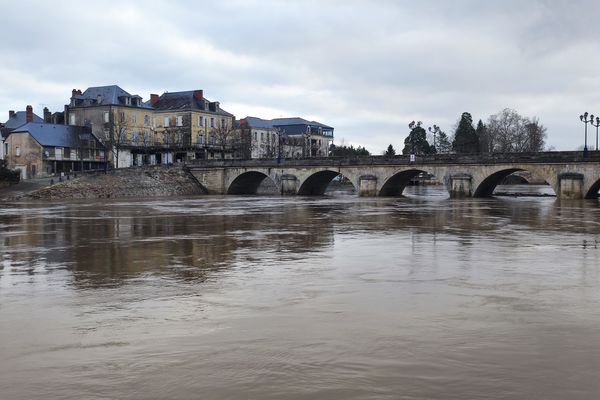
x: 173, y: 127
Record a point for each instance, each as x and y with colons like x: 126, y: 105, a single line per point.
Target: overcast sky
x: 367, y: 68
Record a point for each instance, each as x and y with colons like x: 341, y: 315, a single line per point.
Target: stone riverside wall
x: 128, y: 182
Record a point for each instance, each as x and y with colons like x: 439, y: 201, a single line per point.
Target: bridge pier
x: 289, y: 185
x: 570, y: 186
x: 367, y: 186
x: 461, y: 186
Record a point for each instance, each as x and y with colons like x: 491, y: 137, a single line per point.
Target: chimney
x: 29, y: 114
x: 73, y: 92
x: 79, y: 92
x: 47, y: 115
x: 11, y: 114
x: 153, y: 99
x: 199, y: 95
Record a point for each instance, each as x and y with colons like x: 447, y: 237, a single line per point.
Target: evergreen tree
x: 416, y: 141
x: 465, y: 137
x: 443, y: 143
x: 483, y: 137
x: 390, y: 152
x: 346, y: 151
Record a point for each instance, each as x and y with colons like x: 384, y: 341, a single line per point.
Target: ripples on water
x: 299, y: 298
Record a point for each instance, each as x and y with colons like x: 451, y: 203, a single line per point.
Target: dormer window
x: 127, y: 101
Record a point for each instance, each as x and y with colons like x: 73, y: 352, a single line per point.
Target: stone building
x: 296, y: 137
x: 194, y: 127
x: 42, y: 149
x: 123, y: 122
x: 175, y: 126
x: 16, y: 120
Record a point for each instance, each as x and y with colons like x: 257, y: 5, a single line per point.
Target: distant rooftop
x: 20, y: 119
x: 57, y: 135
x: 186, y: 100
x: 290, y: 126
x: 105, y: 95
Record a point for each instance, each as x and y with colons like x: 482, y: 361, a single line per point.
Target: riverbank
x: 153, y: 181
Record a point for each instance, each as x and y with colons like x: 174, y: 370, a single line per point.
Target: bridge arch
x: 592, y: 192
x: 395, y: 184
x: 316, y: 183
x: 485, y: 187
x: 247, y: 182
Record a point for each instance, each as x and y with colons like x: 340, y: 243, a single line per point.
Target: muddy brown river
x: 334, y: 297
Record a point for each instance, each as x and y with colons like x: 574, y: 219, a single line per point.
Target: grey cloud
x: 367, y: 68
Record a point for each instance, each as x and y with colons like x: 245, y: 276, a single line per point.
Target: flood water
x: 335, y: 297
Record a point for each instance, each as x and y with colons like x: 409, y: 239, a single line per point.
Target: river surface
x: 334, y: 297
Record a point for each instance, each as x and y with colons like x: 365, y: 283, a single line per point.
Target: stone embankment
x: 152, y: 181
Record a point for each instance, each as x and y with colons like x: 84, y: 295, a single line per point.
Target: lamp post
x: 435, y: 130
x: 597, y: 124
x: 585, y: 120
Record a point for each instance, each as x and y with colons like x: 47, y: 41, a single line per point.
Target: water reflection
x: 335, y: 297
x: 107, y: 242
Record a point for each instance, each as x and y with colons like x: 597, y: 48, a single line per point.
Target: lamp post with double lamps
x: 585, y: 120
x: 597, y: 124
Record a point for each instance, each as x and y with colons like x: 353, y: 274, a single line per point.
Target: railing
x: 550, y: 157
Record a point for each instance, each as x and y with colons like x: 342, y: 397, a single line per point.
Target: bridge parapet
x: 548, y: 157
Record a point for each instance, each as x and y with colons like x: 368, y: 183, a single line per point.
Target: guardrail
x: 549, y: 157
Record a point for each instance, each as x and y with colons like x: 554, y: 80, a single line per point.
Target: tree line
x: 504, y: 132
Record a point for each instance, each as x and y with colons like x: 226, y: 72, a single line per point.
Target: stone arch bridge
x: 568, y: 173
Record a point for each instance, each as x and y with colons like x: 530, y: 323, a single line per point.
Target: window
x: 200, y: 121
x: 212, y: 122
x: 255, y: 136
x: 122, y: 116
x: 212, y: 138
x: 223, y: 123
x: 179, y: 120
x: 133, y: 118
x: 262, y: 136
x: 134, y: 137
x: 17, y: 151
x: 72, y: 119
x: 200, y: 138
x: 6, y: 149
x: 166, y: 122
x: 146, y: 120
x: 106, y: 117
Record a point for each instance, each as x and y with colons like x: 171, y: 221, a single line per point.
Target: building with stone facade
x: 296, y: 137
x: 39, y: 149
x: 16, y: 120
x: 172, y: 127
x: 193, y: 126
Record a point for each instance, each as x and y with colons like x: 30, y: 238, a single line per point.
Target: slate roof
x: 297, y: 121
x: 19, y: 119
x: 109, y: 95
x: 57, y: 135
x: 184, y: 101
x: 291, y: 126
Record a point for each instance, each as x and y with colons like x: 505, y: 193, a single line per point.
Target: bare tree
x: 510, y: 132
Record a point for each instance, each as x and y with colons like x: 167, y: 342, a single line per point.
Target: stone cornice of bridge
x: 551, y: 157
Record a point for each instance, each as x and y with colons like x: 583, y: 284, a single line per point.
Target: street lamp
x: 585, y: 120
x: 597, y: 124
x: 435, y: 130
